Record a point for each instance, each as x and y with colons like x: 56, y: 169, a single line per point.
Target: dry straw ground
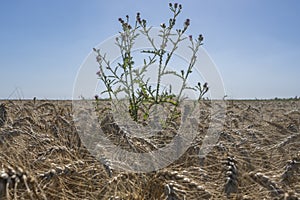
x: 257, y: 157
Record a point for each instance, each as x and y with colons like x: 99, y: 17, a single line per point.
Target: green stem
x: 191, y: 65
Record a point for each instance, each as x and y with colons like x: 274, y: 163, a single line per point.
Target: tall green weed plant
x: 127, y: 78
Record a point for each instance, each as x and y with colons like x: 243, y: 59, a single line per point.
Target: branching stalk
x: 126, y: 78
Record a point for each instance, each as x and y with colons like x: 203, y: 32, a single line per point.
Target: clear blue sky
x: 254, y: 43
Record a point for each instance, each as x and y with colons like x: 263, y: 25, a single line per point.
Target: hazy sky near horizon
x: 255, y: 44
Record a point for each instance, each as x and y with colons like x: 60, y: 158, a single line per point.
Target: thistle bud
x: 172, y: 22
x: 170, y: 4
x: 138, y: 17
x: 163, y: 25
x: 144, y: 22
x: 200, y: 38
x: 175, y: 5
x: 187, y: 22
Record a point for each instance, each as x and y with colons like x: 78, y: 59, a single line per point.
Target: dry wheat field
x: 257, y: 156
